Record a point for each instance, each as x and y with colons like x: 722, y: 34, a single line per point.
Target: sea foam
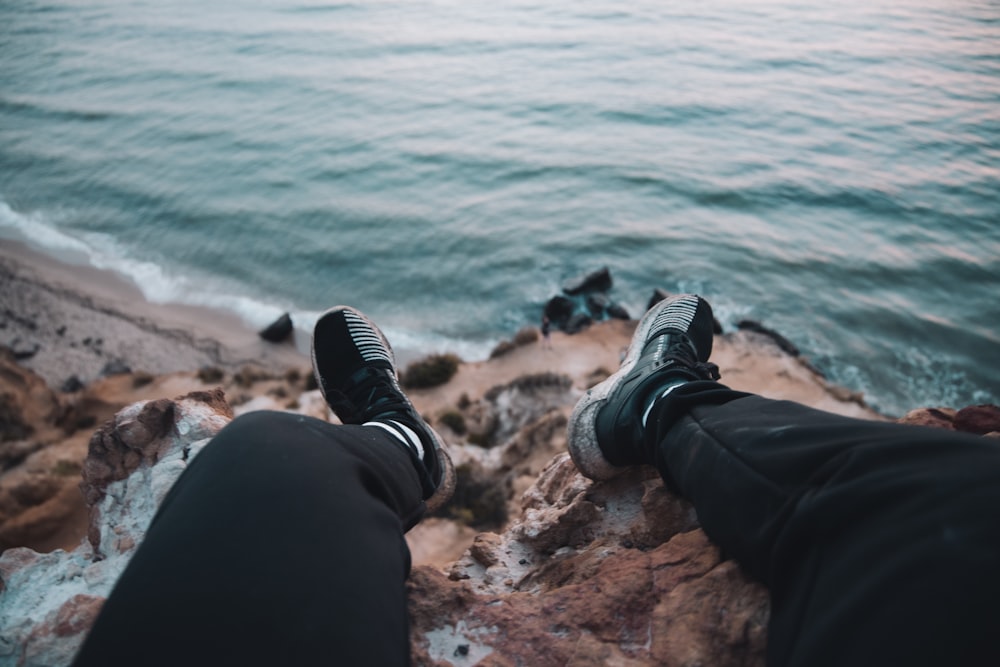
x: 157, y: 284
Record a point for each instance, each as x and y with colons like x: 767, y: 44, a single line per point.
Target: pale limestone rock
x: 49, y: 601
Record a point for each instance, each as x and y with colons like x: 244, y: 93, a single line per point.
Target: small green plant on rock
x: 454, y: 420
x: 431, y: 371
x: 211, y: 374
x: 64, y: 468
x: 250, y: 374
x: 479, y: 500
x: 502, y: 348
x: 526, y: 336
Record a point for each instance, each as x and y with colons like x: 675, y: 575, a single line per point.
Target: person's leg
x: 283, y: 541
x: 878, y: 541
x: 281, y: 544
x: 355, y: 368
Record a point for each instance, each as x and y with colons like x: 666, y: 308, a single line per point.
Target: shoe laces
x: 682, y: 351
x: 377, y: 394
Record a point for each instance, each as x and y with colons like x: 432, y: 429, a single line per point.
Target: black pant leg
x: 879, y: 542
x: 282, y: 544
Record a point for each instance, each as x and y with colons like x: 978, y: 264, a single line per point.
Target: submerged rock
x: 616, y: 311
x: 595, y: 281
x: 559, y: 309
x: 578, y: 323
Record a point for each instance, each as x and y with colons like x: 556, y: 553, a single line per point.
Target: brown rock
x: 675, y: 605
x: 35, y: 489
x: 35, y: 524
x: 15, y: 451
x: 48, y: 601
x: 13, y: 426
x: 27, y: 404
x: 933, y: 417
x: 77, y: 614
x: 122, y: 443
x: 978, y: 419
x: 140, y: 435
x: 483, y: 549
x: 591, y: 574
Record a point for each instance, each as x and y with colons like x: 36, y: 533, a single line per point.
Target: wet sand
x: 70, y: 320
x: 80, y: 318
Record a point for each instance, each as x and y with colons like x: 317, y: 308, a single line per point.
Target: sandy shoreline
x: 77, y: 319
x: 81, y: 318
x: 70, y: 321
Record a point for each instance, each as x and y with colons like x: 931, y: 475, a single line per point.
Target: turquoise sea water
x: 830, y: 169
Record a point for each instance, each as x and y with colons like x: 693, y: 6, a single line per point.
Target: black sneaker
x: 671, y: 345
x: 356, y: 371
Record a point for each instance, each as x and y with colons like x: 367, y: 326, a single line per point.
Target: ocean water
x: 829, y: 169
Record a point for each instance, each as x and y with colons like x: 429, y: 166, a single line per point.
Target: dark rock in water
x: 71, y: 385
x: 716, y: 326
x: 279, y: 330
x: 659, y: 294
x: 578, y: 323
x: 595, y: 281
x: 617, y: 312
x: 597, y: 304
x: 786, y: 345
x: 115, y: 367
x: 559, y: 309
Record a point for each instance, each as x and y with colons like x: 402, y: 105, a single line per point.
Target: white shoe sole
x: 582, y: 428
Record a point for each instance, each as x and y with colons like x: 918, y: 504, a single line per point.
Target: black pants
x: 282, y: 544
x: 880, y: 543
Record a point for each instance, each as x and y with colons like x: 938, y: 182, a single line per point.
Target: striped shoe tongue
x: 367, y: 341
x: 678, y: 315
